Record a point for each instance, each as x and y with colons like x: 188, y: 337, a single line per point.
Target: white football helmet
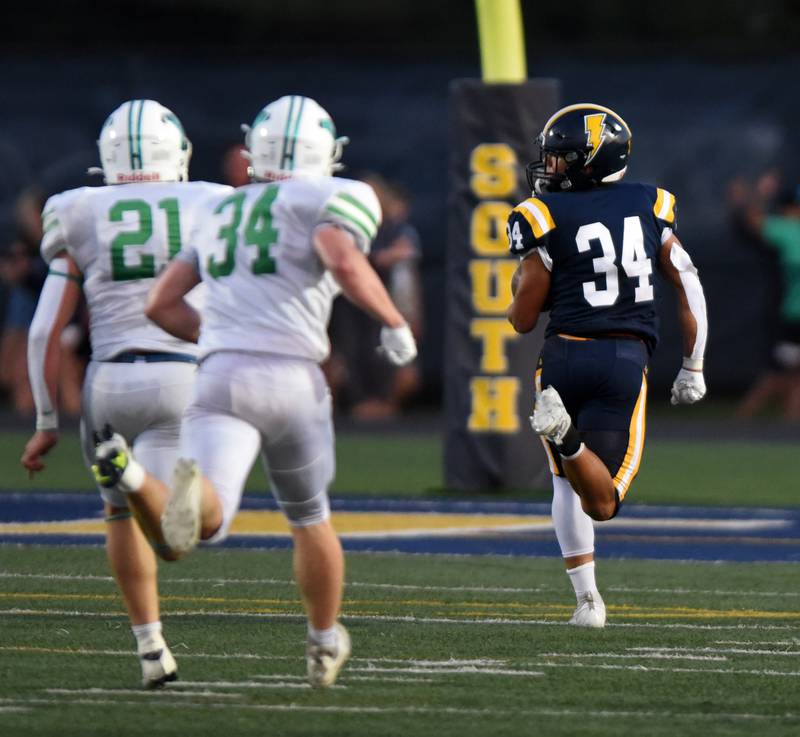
x: 293, y: 136
x: 142, y: 141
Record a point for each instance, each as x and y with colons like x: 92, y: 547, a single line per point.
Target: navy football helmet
x: 581, y: 146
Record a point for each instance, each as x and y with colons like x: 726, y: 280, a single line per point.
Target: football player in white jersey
x: 273, y: 255
x: 112, y: 241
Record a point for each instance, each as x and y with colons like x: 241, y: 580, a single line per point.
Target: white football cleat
x: 180, y: 522
x: 158, y: 668
x: 591, y: 611
x: 324, y: 663
x: 550, y: 417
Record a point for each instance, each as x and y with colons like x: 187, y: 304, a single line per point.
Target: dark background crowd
x: 709, y: 91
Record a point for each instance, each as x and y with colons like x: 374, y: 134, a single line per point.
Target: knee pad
x: 308, y: 512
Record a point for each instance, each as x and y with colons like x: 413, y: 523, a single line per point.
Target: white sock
x: 574, y: 528
x: 582, y: 578
x: 148, y: 637
x: 324, y: 638
x: 132, y: 477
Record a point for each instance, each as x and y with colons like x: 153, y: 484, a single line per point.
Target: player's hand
x: 398, y: 345
x: 40, y: 444
x: 689, y: 387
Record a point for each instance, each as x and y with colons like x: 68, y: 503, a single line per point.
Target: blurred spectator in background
x: 23, y: 272
x: 769, y: 214
x: 360, y: 380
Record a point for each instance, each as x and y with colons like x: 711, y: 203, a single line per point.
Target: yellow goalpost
x: 501, y: 40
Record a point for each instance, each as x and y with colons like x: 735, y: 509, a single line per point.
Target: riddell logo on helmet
x: 138, y: 176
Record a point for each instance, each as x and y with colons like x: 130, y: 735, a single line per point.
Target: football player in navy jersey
x: 589, y: 245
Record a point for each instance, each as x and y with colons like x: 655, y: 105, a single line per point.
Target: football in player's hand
x: 515, y: 280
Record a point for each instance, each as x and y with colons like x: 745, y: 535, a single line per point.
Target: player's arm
x: 166, y: 304
x: 530, y: 287
x: 528, y: 228
x: 676, y: 265
x: 349, y: 266
x: 57, y: 303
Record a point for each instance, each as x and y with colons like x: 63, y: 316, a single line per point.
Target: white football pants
x: 244, y: 402
x: 144, y: 402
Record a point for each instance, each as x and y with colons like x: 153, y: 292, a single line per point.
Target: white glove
x: 689, y: 387
x: 398, y: 345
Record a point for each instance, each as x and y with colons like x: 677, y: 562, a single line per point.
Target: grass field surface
x: 672, y: 472
x: 442, y: 646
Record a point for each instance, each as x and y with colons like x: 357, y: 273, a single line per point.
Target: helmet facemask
x: 557, y: 171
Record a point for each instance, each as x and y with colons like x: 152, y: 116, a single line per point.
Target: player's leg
x: 225, y: 447
x: 150, y: 400
x: 575, y: 533
x: 218, y: 448
x: 603, y: 383
x: 319, y: 572
x: 204, y: 495
x: 586, y: 472
x: 111, y: 394
x: 133, y: 564
x: 300, y: 464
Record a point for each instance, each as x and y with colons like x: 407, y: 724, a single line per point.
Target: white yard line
x: 704, y: 592
x: 450, y: 663
x: 405, y: 619
x: 631, y: 656
x: 402, y: 587
x: 655, y: 668
x: 727, y: 650
x: 385, y: 679
x: 158, y: 693
x: 581, y: 714
x: 795, y: 642
x: 281, y: 682
x: 459, y: 671
x: 360, y: 667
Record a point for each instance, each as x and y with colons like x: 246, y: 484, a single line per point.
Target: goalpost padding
x: 488, y: 368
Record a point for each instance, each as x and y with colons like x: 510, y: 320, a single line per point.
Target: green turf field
x: 738, y: 473
x: 442, y: 646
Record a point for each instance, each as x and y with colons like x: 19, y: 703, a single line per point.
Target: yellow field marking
x: 61, y: 527
x: 263, y: 522
x: 473, y: 609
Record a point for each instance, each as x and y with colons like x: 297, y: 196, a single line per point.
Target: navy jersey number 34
x: 601, y: 247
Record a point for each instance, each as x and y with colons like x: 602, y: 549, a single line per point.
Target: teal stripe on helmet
x: 130, y: 132
x: 286, y: 131
x: 295, y: 131
x: 139, y: 132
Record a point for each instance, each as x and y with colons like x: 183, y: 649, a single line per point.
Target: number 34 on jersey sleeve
x: 529, y: 226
